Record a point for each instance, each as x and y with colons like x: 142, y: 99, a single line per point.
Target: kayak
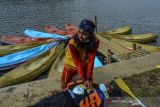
x: 70, y: 29
x: 38, y: 34
x: 139, y: 38
x: 9, y: 49
x: 54, y: 30
x: 11, y: 39
x: 30, y: 69
x: 13, y: 60
x: 122, y: 31
x: 129, y: 45
x: 58, y: 65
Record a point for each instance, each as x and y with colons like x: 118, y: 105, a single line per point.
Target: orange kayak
x: 54, y: 30
x: 10, y: 39
x: 70, y: 29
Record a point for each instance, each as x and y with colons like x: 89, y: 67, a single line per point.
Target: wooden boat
x: 122, y: 31
x: 11, y: 39
x: 139, y: 38
x: 8, y: 49
x: 31, y: 69
x: 129, y: 45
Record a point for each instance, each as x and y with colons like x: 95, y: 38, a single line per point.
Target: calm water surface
x: 142, y: 15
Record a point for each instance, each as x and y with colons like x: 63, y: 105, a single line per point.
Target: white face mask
x: 79, y: 89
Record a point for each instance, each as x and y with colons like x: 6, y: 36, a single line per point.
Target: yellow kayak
x: 8, y: 49
x: 122, y: 30
x: 57, y: 66
x: 139, y: 38
x: 31, y: 69
x: 129, y: 45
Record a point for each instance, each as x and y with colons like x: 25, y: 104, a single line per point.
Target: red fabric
x: 81, y: 68
x: 67, y: 75
x: 77, y: 60
x: 91, y: 61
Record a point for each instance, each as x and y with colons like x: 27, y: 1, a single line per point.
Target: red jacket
x: 77, y: 59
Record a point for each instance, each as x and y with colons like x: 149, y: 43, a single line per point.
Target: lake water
x: 142, y: 15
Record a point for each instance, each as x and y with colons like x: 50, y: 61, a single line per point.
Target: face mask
x: 79, y: 89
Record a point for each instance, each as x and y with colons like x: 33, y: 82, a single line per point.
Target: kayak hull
x: 11, y: 39
x: 30, y: 69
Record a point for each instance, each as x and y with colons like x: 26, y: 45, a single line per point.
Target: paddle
x: 123, y: 86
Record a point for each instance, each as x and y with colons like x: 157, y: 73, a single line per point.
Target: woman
x: 81, y: 51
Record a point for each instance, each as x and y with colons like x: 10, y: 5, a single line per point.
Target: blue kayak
x: 13, y: 60
x: 38, y: 34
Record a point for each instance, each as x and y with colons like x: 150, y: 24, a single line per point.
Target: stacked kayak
x: 129, y: 45
x: 30, y: 69
x: 11, y: 39
x: 139, y: 38
x: 15, y: 59
x: 121, y: 31
x: 70, y: 29
x: 9, y: 49
x: 38, y: 34
x: 44, y: 54
x: 54, y: 30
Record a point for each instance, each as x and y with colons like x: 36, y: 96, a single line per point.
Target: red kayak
x: 10, y: 39
x: 70, y: 29
x: 54, y: 30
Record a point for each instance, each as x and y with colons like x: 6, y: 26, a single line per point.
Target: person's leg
x: 67, y: 76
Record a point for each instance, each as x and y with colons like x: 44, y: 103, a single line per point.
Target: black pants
x: 59, y: 100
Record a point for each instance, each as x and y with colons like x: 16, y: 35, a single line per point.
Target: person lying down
x: 77, y: 95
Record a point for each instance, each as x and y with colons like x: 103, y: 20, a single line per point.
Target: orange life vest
x: 90, y: 99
